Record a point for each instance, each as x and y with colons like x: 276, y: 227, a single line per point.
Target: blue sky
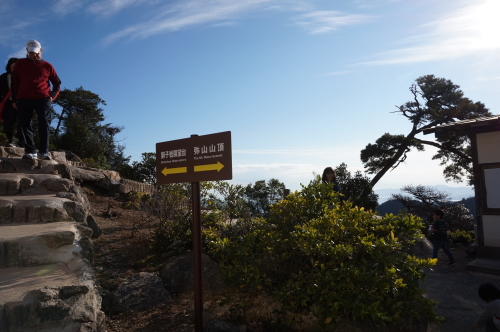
x: 300, y: 84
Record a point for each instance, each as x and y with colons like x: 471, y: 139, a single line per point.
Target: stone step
x: 57, y: 297
x: 41, y: 208
x: 8, y: 152
x: 28, y: 183
x: 23, y: 245
x: 485, y: 265
x: 59, y: 156
x: 11, y: 161
x: 13, y: 165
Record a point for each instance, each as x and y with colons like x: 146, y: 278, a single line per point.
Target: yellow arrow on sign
x: 177, y: 170
x: 210, y: 167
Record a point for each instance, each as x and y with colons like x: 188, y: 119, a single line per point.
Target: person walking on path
x: 31, y: 93
x: 9, y: 114
x: 440, y: 231
x: 490, y: 318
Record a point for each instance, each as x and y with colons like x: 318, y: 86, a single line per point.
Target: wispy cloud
x: 271, y: 170
x: 3, y: 7
x: 64, y: 7
x: 326, y: 21
x: 367, y: 4
x: 336, y: 73
x: 18, y: 54
x: 338, y: 151
x: 281, y: 152
x: 187, y: 14
x: 100, y: 7
x: 109, y: 7
x: 469, y: 30
x: 10, y: 29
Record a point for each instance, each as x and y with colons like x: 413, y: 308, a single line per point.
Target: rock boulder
x: 139, y: 291
x: 177, y: 274
x: 220, y: 326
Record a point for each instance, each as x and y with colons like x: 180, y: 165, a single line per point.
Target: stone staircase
x: 46, y: 278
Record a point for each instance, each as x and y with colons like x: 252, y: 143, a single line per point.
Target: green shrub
x: 461, y: 236
x: 339, y: 262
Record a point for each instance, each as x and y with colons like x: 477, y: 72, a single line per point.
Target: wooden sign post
x: 195, y: 159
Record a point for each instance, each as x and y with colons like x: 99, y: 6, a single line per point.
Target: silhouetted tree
x: 356, y: 188
x: 436, y: 101
x: 423, y: 200
x: 80, y: 130
x: 260, y: 196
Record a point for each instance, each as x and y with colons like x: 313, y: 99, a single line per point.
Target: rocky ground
x: 119, y: 253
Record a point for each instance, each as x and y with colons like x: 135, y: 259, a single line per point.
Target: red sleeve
x: 56, y: 83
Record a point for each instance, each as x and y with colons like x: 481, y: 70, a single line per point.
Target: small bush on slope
x: 337, y: 263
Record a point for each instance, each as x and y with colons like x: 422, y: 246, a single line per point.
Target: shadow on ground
x: 455, y: 289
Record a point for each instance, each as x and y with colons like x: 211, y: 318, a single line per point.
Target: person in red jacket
x: 31, y: 93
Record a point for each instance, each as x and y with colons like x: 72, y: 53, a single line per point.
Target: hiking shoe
x: 451, y: 263
x: 30, y: 156
x: 44, y: 156
x: 11, y: 145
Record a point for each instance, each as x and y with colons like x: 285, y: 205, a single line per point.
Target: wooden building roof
x: 465, y: 127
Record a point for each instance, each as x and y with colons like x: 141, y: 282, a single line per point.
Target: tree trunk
x: 395, y: 158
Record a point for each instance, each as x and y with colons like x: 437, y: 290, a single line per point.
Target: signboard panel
x: 195, y: 159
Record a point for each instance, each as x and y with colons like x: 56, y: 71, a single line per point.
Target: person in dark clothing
x: 330, y: 176
x: 31, y: 93
x: 490, y: 317
x: 439, y: 228
x: 9, y: 114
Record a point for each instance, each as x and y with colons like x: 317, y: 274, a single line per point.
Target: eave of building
x: 466, y: 127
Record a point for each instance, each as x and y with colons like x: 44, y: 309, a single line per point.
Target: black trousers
x: 43, y: 109
x: 9, y: 122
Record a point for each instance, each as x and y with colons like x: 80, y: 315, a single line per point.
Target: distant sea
x: 456, y: 193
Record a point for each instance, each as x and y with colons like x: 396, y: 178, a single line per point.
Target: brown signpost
x: 195, y: 159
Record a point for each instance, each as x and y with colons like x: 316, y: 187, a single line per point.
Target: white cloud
x: 18, y: 54
x: 100, y: 7
x: 109, y: 7
x: 469, y: 30
x: 189, y: 13
x: 337, y: 154
x: 326, y: 21
x: 67, y: 6
x: 288, y: 169
x: 368, y: 4
x: 336, y: 73
x: 282, y: 152
x: 11, y: 29
x: 291, y: 174
x: 3, y: 7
